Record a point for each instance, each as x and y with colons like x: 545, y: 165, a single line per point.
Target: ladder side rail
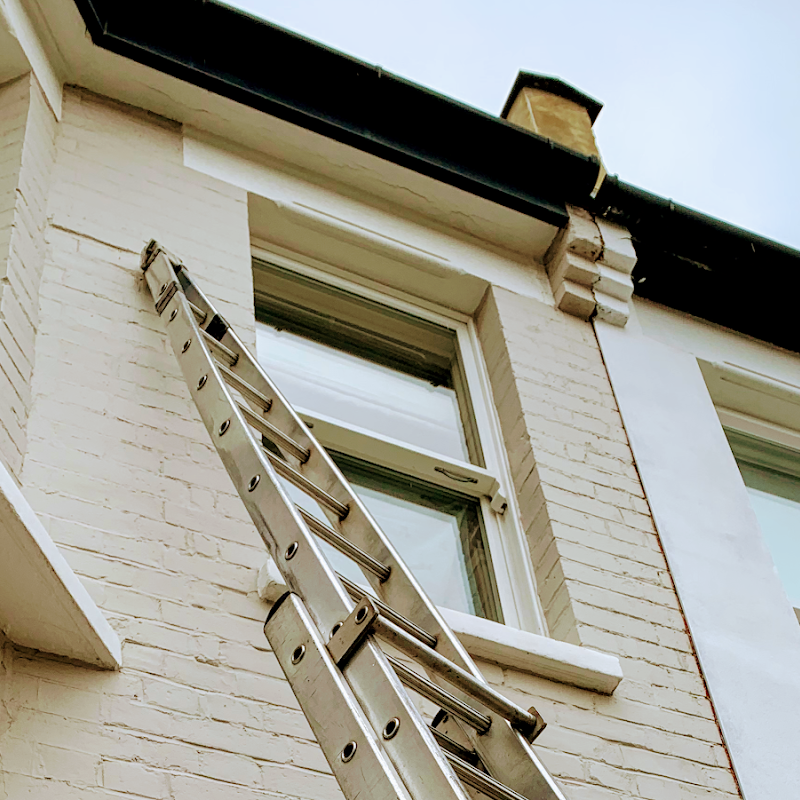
x: 502, y: 749
x: 332, y: 710
x: 413, y: 751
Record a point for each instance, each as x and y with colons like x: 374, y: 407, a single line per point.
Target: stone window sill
x: 507, y: 647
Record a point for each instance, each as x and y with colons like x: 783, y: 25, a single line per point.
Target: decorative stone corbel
x: 589, y: 264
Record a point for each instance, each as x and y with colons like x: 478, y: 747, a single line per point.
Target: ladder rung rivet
x: 297, y: 655
x: 202, y: 382
x: 173, y: 314
x: 163, y: 288
x: 348, y: 752
x: 186, y: 345
x: 392, y: 726
x: 291, y: 551
x: 253, y: 483
x: 224, y: 427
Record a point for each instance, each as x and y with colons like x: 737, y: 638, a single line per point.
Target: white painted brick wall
x: 602, y: 576
x: 120, y: 471
x: 27, y: 131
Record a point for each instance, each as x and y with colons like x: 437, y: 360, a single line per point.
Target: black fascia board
x: 710, y: 269
x: 268, y: 68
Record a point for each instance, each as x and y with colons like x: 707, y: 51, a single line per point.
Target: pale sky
x: 702, y: 99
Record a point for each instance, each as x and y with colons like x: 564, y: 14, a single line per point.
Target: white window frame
x: 768, y: 432
x: 491, y: 484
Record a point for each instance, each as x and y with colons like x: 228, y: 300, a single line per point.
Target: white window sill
x: 507, y: 647
x: 43, y: 605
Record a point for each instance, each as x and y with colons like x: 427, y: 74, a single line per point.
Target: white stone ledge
x: 536, y: 654
x: 43, y: 605
x: 507, y: 647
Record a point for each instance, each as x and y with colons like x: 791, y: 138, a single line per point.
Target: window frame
x: 772, y: 434
x: 491, y: 484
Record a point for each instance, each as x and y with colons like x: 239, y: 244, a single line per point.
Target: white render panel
x: 746, y: 635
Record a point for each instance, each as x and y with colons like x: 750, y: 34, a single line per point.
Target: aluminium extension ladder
x: 325, y: 630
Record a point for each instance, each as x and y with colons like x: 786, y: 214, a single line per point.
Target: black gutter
x: 705, y: 267
x: 295, y: 79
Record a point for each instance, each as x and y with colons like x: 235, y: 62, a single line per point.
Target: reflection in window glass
x: 356, y: 391
x: 438, y: 534
x: 775, y: 498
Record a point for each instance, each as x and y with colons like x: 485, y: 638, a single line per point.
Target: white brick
x: 120, y: 468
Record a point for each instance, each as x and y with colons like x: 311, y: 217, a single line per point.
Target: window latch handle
x: 454, y: 476
x: 497, y: 500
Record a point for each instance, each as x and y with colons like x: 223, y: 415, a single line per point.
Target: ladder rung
x: 484, y: 783
x: 199, y: 314
x: 441, y: 697
x: 245, y: 389
x: 343, y: 545
x: 428, y: 658
x: 357, y: 593
x: 220, y: 349
x: 301, y: 482
x: 271, y: 432
x: 453, y: 747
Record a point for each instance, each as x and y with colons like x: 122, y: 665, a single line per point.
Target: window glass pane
x: 775, y: 498
x: 359, y: 392
x: 439, y: 534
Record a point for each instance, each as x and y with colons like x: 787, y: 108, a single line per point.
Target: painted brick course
x: 27, y: 133
x: 602, y: 577
x: 119, y: 469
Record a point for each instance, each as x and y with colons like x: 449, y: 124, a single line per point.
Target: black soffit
x: 700, y: 265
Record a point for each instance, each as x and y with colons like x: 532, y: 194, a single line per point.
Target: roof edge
x: 302, y: 82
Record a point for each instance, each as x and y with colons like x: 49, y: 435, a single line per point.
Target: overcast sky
x: 702, y: 99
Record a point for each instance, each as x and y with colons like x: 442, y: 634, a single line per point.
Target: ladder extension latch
x: 349, y: 634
